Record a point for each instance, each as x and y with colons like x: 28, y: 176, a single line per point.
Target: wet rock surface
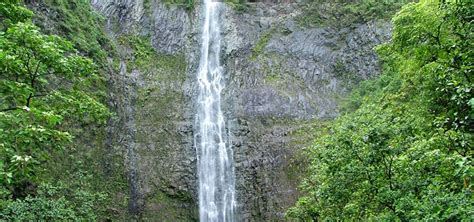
x: 298, y: 74
x: 155, y: 109
x: 279, y: 76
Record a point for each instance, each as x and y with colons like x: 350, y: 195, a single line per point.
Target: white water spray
x: 215, y: 162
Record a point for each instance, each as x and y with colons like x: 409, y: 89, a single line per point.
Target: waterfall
x: 215, y: 162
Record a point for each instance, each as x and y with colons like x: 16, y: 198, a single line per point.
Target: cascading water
x: 215, y: 162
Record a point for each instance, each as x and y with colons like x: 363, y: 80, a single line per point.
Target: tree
x: 11, y: 12
x: 44, y: 86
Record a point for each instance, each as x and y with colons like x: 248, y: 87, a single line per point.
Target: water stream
x: 215, y: 162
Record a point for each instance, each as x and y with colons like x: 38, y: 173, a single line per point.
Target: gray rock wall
x: 153, y: 102
x: 279, y: 77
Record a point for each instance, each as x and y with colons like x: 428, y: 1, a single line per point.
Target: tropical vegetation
x: 403, y: 149
x: 44, y: 85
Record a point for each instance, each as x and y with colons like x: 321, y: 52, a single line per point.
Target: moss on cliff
x: 142, y: 56
x: 322, y: 13
x: 78, y: 22
x: 188, y: 4
x: 161, y: 71
x: 348, y: 78
x: 259, y: 47
x: 90, y: 162
x: 303, y: 137
x: 89, y: 166
x: 237, y: 5
x: 161, y: 101
x: 169, y: 208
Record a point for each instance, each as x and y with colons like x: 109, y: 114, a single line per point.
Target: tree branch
x: 10, y: 109
x: 41, y: 95
x: 28, y: 100
x: 36, y: 70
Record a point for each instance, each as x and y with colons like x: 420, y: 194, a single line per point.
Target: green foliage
x: 238, y: 5
x: 144, y: 57
x: 403, y: 150
x: 343, y: 13
x: 261, y: 44
x: 188, y: 4
x: 80, y: 24
x: 56, y: 203
x: 43, y: 90
x: 348, y: 77
x: 84, y: 28
x: 11, y: 13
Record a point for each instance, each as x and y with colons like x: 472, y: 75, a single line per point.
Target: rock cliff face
x: 280, y: 77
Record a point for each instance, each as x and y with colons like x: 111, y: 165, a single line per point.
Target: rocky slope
x: 281, y: 79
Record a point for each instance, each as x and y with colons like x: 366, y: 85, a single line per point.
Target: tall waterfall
x: 215, y: 162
